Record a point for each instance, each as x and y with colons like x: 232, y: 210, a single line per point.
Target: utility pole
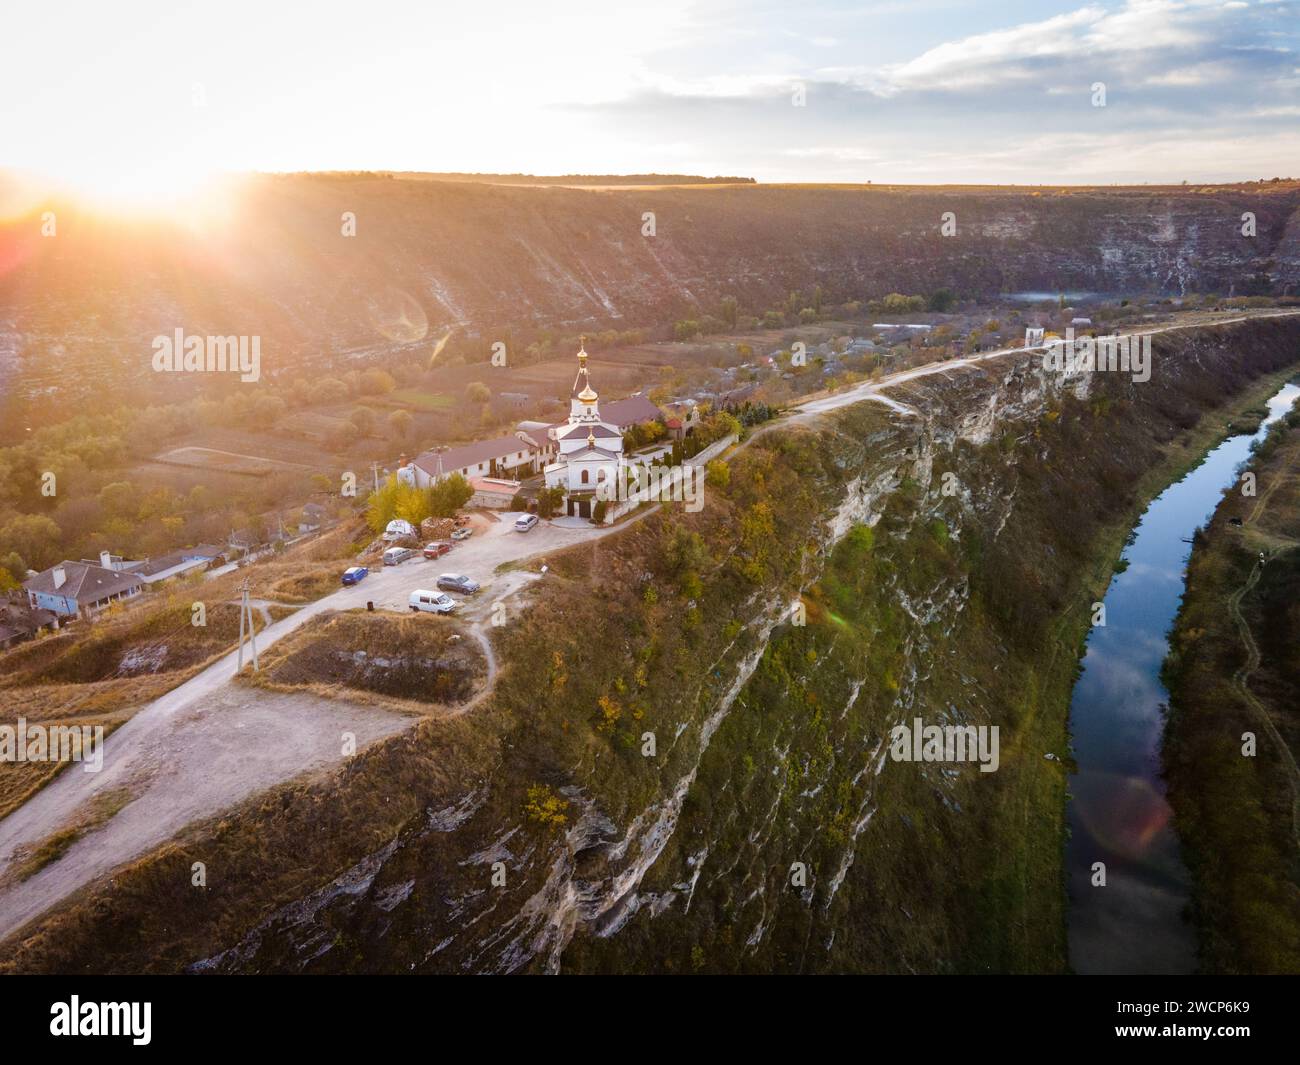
x: 374, y: 467
x: 246, y: 612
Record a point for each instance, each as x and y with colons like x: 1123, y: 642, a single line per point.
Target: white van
x: 395, y: 556
x: 431, y: 602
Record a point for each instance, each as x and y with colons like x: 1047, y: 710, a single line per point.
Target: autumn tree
x: 399, y: 424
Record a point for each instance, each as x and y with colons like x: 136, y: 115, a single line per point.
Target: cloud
x: 1194, y: 90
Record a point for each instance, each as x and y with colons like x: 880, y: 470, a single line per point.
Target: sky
x: 136, y: 98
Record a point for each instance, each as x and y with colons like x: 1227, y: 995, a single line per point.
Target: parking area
x: 492, y: 543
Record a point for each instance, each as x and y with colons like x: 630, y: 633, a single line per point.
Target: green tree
x: 13, y: 570
x: 549, y: 500
x: 363, y: 420
x: 942, y: 299
x: 477, y: 392
x: 396, y: 499
x: 34, y: 537
x: 119, y: 500
x: 448, y: 495
x: 399, y: 424
x: 267, y: 411
x: 376, y: 382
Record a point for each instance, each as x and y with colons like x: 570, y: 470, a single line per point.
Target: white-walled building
x: 590, y: 448
x: 515, y: 457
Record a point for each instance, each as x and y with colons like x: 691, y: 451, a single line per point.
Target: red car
x: 436, y: 549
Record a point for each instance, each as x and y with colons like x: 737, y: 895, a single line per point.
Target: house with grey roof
x: 175, y: 563
x: 631, y: 411
x: 80, y: 589
x: 18, y: 623
x: 515, y: 455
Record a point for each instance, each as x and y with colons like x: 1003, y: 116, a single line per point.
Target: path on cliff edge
x: 168, y: 755
x: 208, y: 744
x: 1241, y: 678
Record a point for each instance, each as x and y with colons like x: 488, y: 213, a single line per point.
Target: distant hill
x: 572, y: 179
x: 78, y: 311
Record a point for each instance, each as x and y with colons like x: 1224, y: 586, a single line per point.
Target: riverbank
x: 770, y: 735
x: 1062, y: 672
x: 1234, y: 673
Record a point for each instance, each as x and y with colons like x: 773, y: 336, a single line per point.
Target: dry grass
x: 661, y: 660
x: 408, y: 664
x: 102, y: 673
x: 98, y: 812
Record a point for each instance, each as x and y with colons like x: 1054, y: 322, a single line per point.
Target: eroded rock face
x: 489, y: 260
x: 938, y: 556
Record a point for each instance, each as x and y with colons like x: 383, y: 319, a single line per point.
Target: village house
x: 516, y: 455
x: 80, y: 589
x: 173, y: 564
x: 494, y: 493
x: 21, y: 622
x: 312, y: 518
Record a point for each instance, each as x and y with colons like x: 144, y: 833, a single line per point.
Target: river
x: 1117, y: 813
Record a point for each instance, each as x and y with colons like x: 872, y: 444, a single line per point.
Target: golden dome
x: 591, y: 438
x: 587, y: 395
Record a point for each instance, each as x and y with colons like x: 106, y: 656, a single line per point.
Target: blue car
x: 354, y: 575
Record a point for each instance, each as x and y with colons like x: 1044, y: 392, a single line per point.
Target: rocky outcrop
x: 857, y: 573
x: 493, y: 262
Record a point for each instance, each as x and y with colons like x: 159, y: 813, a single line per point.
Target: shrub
x: 544, y: 807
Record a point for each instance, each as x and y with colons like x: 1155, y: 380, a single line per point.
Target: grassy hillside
x: 968, y: 607
x: 1235, y: 669
x: 102, y: 673
x: 494, y: 261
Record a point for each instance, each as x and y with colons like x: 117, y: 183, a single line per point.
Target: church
x: 590, y: 450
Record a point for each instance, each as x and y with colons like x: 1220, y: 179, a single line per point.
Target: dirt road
x: 208, y: 744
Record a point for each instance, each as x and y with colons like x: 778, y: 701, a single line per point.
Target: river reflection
x: 1118, y: 814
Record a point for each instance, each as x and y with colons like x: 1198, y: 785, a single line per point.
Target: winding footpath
x: 1241, y: 678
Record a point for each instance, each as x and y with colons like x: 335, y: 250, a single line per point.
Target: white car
x: 526, y: 523
x: 424, y: 601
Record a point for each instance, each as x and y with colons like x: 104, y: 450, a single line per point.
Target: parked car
x: 457, y: 582
x: 354, y: 574
x: 526, y: 523
x: 395, y: 556
x: 436, y: 549
x: 463, y: 533
x: 424, y: 601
